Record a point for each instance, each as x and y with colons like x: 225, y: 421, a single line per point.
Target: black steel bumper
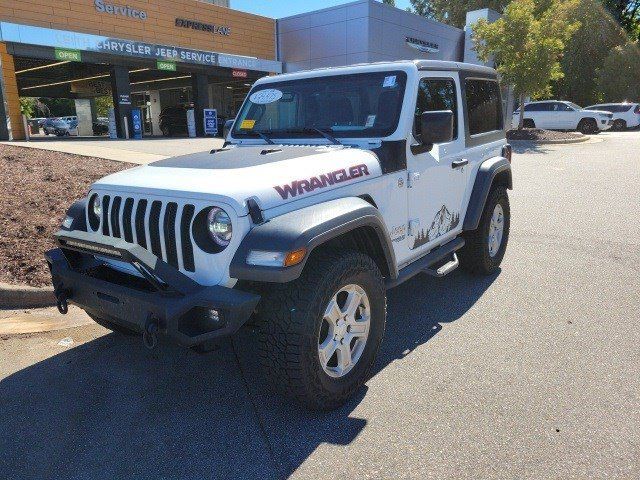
x: 179, y: 307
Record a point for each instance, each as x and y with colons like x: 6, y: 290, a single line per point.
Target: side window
x: 561, y: 107
x: 437, y: 94
x: 484, y: 106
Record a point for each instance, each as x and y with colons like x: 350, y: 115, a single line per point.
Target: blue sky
x: 284, y: 8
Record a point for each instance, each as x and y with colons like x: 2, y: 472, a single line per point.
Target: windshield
x: 356, y: 105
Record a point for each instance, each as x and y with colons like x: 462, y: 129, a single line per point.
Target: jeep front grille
x: 163, y: 228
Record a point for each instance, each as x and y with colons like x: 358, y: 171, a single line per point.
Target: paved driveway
x: 530, y: 374
x: 132, y: 151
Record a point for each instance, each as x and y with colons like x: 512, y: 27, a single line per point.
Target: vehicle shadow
x: 111, y: 409
x: 521, y: 147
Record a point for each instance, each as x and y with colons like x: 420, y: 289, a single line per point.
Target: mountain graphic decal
x: 443, y: 222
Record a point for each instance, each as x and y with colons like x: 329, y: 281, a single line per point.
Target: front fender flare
x: 490, y: 170
x: 308, y: 228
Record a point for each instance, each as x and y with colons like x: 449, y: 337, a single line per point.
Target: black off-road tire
x: 290, y: 317
x: 114, y: 327
x: 474, y: 256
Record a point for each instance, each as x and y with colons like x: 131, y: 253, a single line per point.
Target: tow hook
x: 61, y: 302
x: 150, y: 334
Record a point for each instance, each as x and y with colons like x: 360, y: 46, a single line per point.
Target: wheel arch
x: 351, y: 223
x: 493, y: 172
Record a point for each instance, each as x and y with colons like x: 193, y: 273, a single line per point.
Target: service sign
x: 210, y: 121
x: 62, y: 39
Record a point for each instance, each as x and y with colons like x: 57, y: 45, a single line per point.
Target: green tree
x: 454, y: 12
x: 586, y: 51
x: 619, y: 77
x: 27, y: 106
x: 527, y: 45
x: 389, y: 2
x: 421, y: 7
x: 102, y: 105
x: 627, y: 14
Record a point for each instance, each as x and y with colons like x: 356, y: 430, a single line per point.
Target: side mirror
x: 435, y: 127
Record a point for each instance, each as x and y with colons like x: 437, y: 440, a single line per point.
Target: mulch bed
x: 36, y: 189
x: 538, y: 134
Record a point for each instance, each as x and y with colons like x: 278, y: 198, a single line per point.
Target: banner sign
x: 210, y: 121
x: 64, y: 54
x: 191, y: 123
x: 136, y: 124
x: 62, y: 39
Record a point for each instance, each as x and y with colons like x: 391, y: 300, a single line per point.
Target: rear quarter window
x: 484, y: 106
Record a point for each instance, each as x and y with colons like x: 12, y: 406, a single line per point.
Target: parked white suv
x: 560, y: 115
x: 334, y: 186
x: 625, y: 115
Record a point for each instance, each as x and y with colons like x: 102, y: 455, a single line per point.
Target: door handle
x: 460, y: 163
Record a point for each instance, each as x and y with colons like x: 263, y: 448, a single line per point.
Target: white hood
x: 273, y: 174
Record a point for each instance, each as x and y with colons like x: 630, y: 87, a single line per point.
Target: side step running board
x: 423, y: 264
x: 445, y: 269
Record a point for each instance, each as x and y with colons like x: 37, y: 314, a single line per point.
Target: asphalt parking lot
x: 533, y: 373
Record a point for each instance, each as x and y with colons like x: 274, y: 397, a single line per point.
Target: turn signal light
x: 507, y: 152
x: 295, y: 257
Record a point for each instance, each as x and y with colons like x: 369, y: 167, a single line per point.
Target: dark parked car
x: 173, y: 121
x: 101, y: 127
x: 50, y: 124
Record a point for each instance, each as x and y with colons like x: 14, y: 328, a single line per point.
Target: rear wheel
x: 485, y: 246
x: 619, y: 125
x: 319, y: 335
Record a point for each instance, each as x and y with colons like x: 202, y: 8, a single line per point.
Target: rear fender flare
x: 495, y: 171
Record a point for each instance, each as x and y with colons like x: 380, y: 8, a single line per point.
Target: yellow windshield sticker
x: 247, y: 124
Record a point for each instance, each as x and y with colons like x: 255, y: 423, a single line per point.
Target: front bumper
x: 181, y: 308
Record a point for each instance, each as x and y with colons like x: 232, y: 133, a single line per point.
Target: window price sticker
x: 389, y: 81
x: 371, y: 120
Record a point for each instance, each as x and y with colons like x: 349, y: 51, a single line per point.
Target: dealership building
x: 156, y: 54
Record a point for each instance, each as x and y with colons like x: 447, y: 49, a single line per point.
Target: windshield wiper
x: 264, y: 137
x: 321, y: 131
x: 327, y: 135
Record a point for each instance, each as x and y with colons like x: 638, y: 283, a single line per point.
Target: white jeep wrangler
x: 333, y: 186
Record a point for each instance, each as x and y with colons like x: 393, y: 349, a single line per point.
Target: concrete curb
x: 584, y: 138
x: 22, y: 296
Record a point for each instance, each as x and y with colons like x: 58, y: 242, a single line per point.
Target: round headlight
x: 96, y: 206
x: 219, y: 226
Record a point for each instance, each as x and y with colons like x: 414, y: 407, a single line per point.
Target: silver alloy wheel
x: 496, y: 230
x: 344, y: 330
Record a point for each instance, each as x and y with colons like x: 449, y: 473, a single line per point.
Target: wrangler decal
x: 299, y: 187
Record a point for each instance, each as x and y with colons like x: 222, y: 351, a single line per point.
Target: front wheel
x: 588, y: 126
x: 319, y: 335
x: 485, y: 246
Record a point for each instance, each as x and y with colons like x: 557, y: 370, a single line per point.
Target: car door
x: 437, y: 180
x: 567, y: 117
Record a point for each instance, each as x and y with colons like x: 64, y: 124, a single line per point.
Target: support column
x: 121, y: 92
x: 200, y: 91
x: 11, y: 126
